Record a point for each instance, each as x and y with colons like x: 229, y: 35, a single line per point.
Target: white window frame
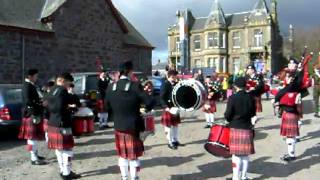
x: 177, y: 44
x: 195, y: 40
x: 236, y: 61
x: 258, y: 38
x: 197, y: 63
x: 216, y: 61
x: 236, y: 39
x: 210, y: 62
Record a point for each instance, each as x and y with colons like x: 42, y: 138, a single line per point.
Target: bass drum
x: 189, y: 95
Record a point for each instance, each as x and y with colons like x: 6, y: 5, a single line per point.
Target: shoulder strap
x: 127, y: 87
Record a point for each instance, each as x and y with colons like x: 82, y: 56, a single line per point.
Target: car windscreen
x: 92, y: 83
x: 11, y: 96
x: 78, y: 89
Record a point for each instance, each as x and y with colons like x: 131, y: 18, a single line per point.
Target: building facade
x: 229, y: 42
x: 66, y: 35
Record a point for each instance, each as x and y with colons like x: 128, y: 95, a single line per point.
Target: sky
x: 153, y: 17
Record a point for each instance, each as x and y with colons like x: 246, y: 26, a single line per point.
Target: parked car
x: 86, y: 87
x: 157, y: 83
x: 10, y: 106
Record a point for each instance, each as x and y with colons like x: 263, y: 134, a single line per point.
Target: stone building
x: 229, y: 42
x: 66, y: 35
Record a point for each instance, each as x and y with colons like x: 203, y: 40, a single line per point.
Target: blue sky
x: 152, y: 17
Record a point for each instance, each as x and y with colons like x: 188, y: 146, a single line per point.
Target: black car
x: 10, y: 106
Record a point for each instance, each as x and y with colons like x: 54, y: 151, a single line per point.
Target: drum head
x: 186, y: 97
x: 216, y: 150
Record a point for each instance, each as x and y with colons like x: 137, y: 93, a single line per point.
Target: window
x: 236, y: 65
x: 177, y: 45
x: 210, y: 63
x: 222, y: 65
x: 222, y: 37
x: 197, y: 42
x: 258, y: 35
x: 197, y: 63
x: 236, y: 39
x: 216, y: 64
x: 213, y: 40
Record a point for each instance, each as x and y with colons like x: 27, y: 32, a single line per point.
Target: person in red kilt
x: 123, y: 102
x: 289, y: 99
x: 102, y: 87
x: 239, y: 113
x: 32, y: 122
x: 60, y: 136
x: 170, y: 118
x: 209, y: 108
x: 255, y: 87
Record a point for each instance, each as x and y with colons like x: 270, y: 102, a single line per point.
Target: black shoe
x: 207, y: 126
x: 177, y: 143
x: 316, y: 115
x: 298, y: 140
x: 288, y: 158
x: 102, y: 128
x: 72, y: 175
x: 38, y: 162
x: 173, y: 147
x: 41, y: 158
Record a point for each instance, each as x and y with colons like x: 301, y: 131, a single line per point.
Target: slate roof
x: 27, y: 14
x: 23, y: 14
x: 236, y: 19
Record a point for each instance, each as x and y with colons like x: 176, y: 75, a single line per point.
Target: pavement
x: 95, y: 157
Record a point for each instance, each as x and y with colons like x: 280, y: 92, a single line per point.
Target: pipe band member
x: 170, y: 118
x: 32, y: 122
x: 123, y: 102
x: 240, y: 110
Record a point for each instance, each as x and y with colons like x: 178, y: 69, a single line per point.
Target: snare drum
x: 83, y: 122
x: 218, y: 141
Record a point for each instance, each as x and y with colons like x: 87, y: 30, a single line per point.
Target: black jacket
x: 102, y: 87
x: 31, y: 101
x: 58, y: 101
x: 240, y: 109
x: 123, y: 105
x: 166, y: 95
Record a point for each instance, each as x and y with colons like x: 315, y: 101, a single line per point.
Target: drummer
x: 240, y: 110
x: 170, y: 117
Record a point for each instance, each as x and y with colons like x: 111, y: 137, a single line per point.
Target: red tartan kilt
x: 31, y: 131
x: 128, y: 146
x: 56, y: 140
x: 241, y: 142
x: 289, y: 125
x: 213, y: 107
x: 258, y: 104
x: 169, y: 119
x: 100, y: 106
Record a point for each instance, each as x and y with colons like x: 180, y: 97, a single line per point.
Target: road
x: 95, y: 157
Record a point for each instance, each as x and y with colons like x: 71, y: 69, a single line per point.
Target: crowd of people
x: 49, y: 115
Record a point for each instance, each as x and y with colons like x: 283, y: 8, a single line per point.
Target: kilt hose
x: 31, y: 131
x: 241, y: 142
x: 59, y: 141
x: 45, y: 125
x: 289, y: 125
x: 258, y: 104
x: 128, y: 145
x: 212, y: 109
x: 169, y: 119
